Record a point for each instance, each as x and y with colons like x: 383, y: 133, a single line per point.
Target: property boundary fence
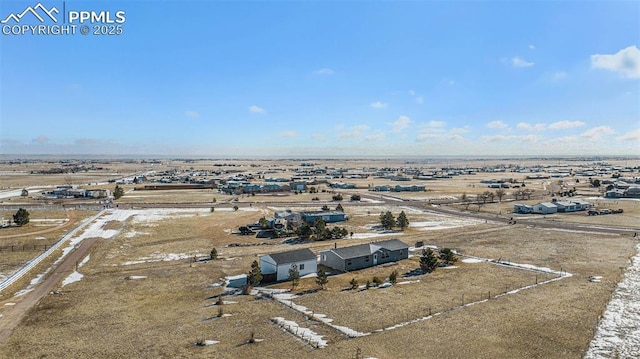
x: 30, y: 265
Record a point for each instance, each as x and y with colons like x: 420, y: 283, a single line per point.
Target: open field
x: 162, y: 316
x: 147, y: 285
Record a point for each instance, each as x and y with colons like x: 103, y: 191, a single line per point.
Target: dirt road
x: 12, y: 315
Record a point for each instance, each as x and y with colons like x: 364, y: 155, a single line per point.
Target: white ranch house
x: 276, y: 266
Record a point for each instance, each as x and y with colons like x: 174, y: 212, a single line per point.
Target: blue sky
x: 328, y: 78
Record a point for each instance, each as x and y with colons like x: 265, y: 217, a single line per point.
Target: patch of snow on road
x: 618, y: 333
x: 34, y: 282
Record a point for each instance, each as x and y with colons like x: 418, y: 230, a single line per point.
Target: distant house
x: 522, y: 208
x: 632, y: 192
x: 545, y: 208
x: 412, y: 188
x: 327, y: 216
x: 364, y: 255
x: 275, y: 266
x: 615, y: 193
x: 572, y: 206
x: 384, y: 188
x: 298, y: 185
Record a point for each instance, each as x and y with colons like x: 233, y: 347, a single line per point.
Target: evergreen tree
x: 447, y: 256
x: 339, y: 208
x: 118, y: 192
x: 21, y: 217
x: 304, y: 231
x: 428, y: 261
x: 255, y: 276
x: 214, y: 254
x: 387, y: 220
x: 354, y: 283
x: 376, y: 281
x: 403, y: 221
x: 393, y: 277
x: 322, y: 279
x: 294, y: 276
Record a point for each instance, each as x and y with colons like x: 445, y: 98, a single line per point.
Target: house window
x: 348, y: 262
x: 324, y: 257
x: 301, y: 266
x: 366, y: 259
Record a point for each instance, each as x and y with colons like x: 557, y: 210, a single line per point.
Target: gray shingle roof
x: 361, y: 250
x: 299, y: 255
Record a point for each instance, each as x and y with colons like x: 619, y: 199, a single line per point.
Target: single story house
x: 522, y: 208
x: 275, y: 266
x: 364, y: 255
x: 412, y: 188
x: 572, y: 206
x: 545, y: 208
x: 327, y: 216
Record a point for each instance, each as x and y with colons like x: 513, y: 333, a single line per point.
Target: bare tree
x: 500, y: 193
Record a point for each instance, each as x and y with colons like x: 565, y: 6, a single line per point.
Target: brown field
x: 105, y: 315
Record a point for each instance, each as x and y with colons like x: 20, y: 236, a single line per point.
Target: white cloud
x: 411, y: 93
x: 630, y: 136
x: 596, y: 133
x: 378, y: 104
x: 40, y: 140
x: 192, y: 114
x: 437, y: 124
x: 420, y: 100
x: 324, y: 72
x: 531, y: 127
x: 456, y: 138
x: 360, y: 128
x: 460, y: 130
x: 352, y: 134
x: 497, y: 124
x: 428, y: 136
x: 517, y: 61
x: 561, y: 125
x: 501, y: 138
x: 559, y: 75
x: 378, y: 136
x: 625, y: 61
x: 399, y: 124
x: 289, y: 134
x: 355, y: 131
x: 318, y: 137
x: 532, y: 47
x: 256, y: 109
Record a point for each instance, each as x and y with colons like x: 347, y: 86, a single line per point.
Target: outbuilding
x: 275, y: 266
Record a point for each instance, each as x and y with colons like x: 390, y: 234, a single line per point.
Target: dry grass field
x: 164, y: 314
x: 144, y: 296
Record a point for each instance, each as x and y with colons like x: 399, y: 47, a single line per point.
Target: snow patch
x: 618, y: 333
x: 305, y: 334
x: 72, y: 278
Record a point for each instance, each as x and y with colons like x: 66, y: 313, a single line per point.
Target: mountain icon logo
x: 35, y: 11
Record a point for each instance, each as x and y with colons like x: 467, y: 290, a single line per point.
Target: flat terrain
x: 148, y: 286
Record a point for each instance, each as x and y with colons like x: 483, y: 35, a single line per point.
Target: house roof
x: 322, y: 213
x: 366, y: 249
x: 299, y: 255
x: 547, y: 204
